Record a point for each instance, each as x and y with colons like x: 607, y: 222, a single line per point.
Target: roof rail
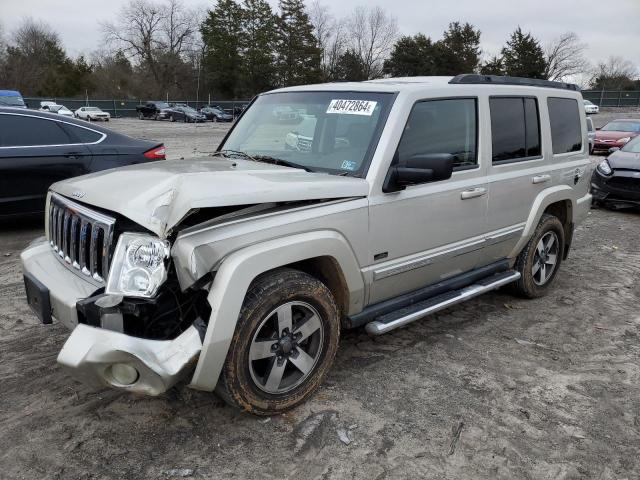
x: 472, y: 78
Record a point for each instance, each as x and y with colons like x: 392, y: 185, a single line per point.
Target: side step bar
x: 399, y: 318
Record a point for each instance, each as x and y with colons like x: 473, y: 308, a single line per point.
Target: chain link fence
x: 613, y: 98
x: 127, y: 108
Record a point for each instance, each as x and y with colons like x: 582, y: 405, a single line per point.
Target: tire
x: 185, y: 119
x: 141, y: 116
x: 535, y: 278
x: 171, y: 118
x: 215, y: 119
x: 302, y: 364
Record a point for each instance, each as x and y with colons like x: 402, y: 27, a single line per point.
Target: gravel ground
x: 497, y: 387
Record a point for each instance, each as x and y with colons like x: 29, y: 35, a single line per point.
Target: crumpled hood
x: 158, y: 195
x: 624, y: 160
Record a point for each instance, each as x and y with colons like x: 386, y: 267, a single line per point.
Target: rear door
x: 34, y: 153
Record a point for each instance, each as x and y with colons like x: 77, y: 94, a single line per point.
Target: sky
x: 609, y: 27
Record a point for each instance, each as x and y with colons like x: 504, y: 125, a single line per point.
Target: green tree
x: 350, y: 68
x: 258, y: 42
x: 298, y: 55
x: 523, y: 56
x: 459, y: 50
x: 411, y: 56
x: 492, y: 67
x: 221, y: 34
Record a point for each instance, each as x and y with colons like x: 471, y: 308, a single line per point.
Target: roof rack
x: 474, y: 79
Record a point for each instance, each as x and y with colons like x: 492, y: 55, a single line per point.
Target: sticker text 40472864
x: 352, y: 107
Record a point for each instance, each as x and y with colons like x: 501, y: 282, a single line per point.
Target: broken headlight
x: 139, y: 266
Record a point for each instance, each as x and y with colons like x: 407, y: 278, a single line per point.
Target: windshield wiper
x: 279, y: 161
x: 231, y: 153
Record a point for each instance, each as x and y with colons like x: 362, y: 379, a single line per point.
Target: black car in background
x: 38, y: 149
x: 185, y: 114
x: 616, y: 180
x: 154, y: 110
x: 216, y: 114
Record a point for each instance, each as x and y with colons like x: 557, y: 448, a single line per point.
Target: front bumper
x: 601, y: 146
x: 90, y: 353
x: 622, y: 188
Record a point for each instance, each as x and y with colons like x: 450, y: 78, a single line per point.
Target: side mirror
x: 421, y: 168
x: 614, y: 149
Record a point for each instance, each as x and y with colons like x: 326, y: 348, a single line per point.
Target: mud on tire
x: 247, y: 380
x: 529, y: 285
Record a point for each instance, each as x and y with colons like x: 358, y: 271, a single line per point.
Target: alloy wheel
x: 545, y: 259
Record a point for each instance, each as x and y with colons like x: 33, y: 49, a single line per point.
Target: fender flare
x: 236, y: 273
x: 540, y: 203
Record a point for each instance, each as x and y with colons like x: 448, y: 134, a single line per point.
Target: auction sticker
x: 352, y: 107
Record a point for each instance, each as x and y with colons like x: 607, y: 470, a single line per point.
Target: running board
x: 399, y: 318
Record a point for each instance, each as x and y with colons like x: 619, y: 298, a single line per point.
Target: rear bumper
x: 90, y: 353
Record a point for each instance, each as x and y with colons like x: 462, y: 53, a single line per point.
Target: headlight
x: 604, y: 168
x: 139, y: 266
x: 624, y: 139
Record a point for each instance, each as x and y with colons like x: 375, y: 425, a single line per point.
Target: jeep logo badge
x: 78, y: 194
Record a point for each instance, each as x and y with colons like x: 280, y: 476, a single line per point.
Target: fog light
x: 124, y: 374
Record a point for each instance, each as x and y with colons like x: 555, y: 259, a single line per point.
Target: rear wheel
x: 284, y: 344
x: 539, y: 261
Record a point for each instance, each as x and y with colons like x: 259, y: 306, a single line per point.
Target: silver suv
x: 368, y: 205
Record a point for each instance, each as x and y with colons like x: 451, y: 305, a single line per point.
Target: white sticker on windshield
x: 352, y: 107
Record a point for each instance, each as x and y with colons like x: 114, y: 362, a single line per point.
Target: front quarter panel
x: 236, y: 273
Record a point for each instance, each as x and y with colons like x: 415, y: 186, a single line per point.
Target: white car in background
x: 92, y: 113
x: 59, y: 109
x: 590, y: 108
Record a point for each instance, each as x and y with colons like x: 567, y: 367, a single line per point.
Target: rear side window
x: 23, y: 131
x: 442, y: 126
x: 83, y: 135
x: 564, y: 118
x: 515, y: 129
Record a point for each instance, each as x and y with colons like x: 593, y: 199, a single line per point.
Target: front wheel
x: 284, y: 344
x: 540, y: 260
x: 172, y: 119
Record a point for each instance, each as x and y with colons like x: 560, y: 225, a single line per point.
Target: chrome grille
x: 81, y: 238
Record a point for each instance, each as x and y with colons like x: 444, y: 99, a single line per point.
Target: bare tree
x: 372, y: 35
x: 615, y: 73
x: 158, y: 35
x: 330, y: 35
x: 566, y: 57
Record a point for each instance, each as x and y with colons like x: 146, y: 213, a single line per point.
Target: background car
x: 92, y: 113
x: 57, y: 109
x: 185, y: 114
x: 616, y: 134
x: 38, y: 149
x: 11, y: 98
x: 590, y: 108
x: 216, y: 114
x: 591, y: 134
x: 155, y: 110
x: 616, y: 180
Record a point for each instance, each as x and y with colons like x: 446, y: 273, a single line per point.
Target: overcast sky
x: 610, y: 27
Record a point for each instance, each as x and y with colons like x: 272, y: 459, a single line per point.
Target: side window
x: 515, y: 128
x: 564, y: 117
x: 83, y: 135
x: 23, y: 131
x: 442, y: 126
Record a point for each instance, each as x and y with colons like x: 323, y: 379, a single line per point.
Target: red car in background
x: 616, y: 134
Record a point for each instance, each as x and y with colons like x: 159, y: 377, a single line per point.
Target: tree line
x: 238, y: 48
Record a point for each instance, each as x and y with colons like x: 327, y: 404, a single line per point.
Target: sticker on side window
x: 352, y: 107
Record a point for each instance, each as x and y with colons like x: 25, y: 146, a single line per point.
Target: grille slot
x: 626, y: 183
x: 81, y: 238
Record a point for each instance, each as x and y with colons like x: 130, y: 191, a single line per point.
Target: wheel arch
x: 333, y: 261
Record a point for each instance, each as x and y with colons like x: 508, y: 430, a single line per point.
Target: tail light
x: 157, y: 153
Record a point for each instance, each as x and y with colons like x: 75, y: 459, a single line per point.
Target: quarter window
x: 564, y: 117
x: 24, y: 131
x: 515, y: 129
x: 84, y: 135
x: 442, y: 126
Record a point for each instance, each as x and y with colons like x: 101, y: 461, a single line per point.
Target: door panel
x: 431, y: 231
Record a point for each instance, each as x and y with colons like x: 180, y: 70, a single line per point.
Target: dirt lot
x: 498, y: 387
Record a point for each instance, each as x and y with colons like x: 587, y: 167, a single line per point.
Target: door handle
x: 473, y: 193
x: 541, y: 178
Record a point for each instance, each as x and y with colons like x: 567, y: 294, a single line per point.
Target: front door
x: 433, y: 231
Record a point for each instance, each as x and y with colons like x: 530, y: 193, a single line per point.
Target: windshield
x: 335, y: 132
x: 162, y: 105
x: 188, y: 110
x: 12, y: 101
x: 55, y: 108
x: 622, y: 127
x: 633, y: 146
x: 92, y: 109
x: 587, y: 102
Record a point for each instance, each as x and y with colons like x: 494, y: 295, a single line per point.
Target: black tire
x: 185, y: 119
x: 141, y: 116
x: 171, y: 118
x: 215, y: 119
x: 244, y: 383
x: 530, y: 284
